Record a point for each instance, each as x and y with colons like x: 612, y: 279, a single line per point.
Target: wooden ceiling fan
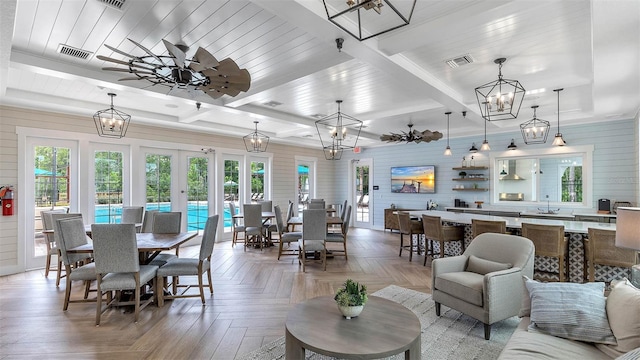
x: 203, y: 72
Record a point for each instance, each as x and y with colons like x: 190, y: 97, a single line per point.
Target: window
x: 158, y: 179
x: 108, y: 186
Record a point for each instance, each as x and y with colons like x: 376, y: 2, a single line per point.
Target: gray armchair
x: 485, y: 282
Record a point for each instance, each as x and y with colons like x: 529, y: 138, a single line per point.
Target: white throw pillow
x: 483, y: 266
x: 623, y: 310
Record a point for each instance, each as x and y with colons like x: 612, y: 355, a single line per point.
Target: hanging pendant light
x: 338, y: 132
x: 485, y: 144
x: 535, y: 131
x: 473, y: 148
x: 256, y: 141
x: 111, y: 122
x: 513, y: 145
x: 558, y: 140
x: 504, y: 97
x: 447, y: 150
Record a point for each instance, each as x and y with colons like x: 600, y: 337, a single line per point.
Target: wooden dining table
x: 149, y: 244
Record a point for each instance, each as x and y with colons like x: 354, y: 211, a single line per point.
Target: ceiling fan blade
x: 135, y: 78
x: 125, y: 63
x: 148, y: 52
x: 214, y: 93
x: 203, y: 60
x: 120, y: 52
x: 228, y: 67
x: 178, y: 55
x: 129, y: 71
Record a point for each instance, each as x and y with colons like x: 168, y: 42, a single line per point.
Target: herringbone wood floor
x: 252, y: 293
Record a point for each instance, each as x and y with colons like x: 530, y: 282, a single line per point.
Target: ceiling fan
x: 412, y: 136
x: 202, y: 73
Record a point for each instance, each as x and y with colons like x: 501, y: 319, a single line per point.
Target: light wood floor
x: 252, y: 293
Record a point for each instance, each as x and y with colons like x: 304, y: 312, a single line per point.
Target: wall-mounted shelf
x: 471, y: 168
x: 471, y: 189
x: 470, y: 179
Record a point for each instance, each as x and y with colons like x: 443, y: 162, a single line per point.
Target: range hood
x: 512, y: 175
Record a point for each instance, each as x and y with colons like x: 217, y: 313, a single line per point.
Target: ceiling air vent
x: 272, y: 103
x: 75, y: 52
x: 116, y: 4
x: 459, y: 61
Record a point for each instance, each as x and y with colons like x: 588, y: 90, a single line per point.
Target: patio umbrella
x: 230, y: 183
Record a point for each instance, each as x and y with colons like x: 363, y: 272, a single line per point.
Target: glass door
x: 195, y: 185
x: 305, y: 183
x: 361, y: 190
x: 233, y: 187
x: 52, y: 183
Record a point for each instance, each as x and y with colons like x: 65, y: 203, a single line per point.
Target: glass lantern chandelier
x: 503, y: 97
x: 111, y: 122
x: 256, y: 141
x: 338, y: 132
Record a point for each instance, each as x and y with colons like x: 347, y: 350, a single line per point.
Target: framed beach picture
x: 413, y: 179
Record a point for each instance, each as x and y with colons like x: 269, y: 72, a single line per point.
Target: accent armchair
x: 485, y: 282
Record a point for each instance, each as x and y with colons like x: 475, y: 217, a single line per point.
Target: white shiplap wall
x: 284, y: 169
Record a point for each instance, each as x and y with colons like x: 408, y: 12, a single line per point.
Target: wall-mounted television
x: 413, y: 179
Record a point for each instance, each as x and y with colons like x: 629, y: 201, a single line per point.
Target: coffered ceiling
x: 589, y: 48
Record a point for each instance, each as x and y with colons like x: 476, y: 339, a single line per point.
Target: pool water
x: 197, y: 214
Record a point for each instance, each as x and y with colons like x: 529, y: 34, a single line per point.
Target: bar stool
x: 549, y: 241
x: 435, y: 231
x: 600, y: 248
x: 483, y: 226
x: 409, y: 227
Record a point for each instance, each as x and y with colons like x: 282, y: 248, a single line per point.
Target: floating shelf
x: 470, y: 179
x: 471, y: 189
x: 471, y: 168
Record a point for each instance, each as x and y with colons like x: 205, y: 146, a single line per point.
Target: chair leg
x: 410, y: 247
x: 346, y: 257
x: 67, y: 294
x: 401, y: 244
x: 487, y: 331
x: 441, y: 249
x: 160, y: 292
x: 48, y: 264
x: 87, y: 288
x: 98, y: 303
x: 201, y: 287
x: 137, y: 300
x: 437, y: 309
x: 59, y: 271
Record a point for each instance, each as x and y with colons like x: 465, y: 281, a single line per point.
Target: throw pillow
x: 623, y: 310
x: 631, y: 355
x: 571, y: 311
x: 483, y: 266
x: 525, y: 305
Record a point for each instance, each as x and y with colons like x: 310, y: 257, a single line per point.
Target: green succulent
x: 351, y: 294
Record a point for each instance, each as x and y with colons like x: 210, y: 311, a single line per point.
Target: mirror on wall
x: 553, y: 178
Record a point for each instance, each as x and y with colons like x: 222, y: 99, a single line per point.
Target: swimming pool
x: 197, y: 214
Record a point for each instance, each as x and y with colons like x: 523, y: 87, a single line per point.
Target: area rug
x: 453, y: 335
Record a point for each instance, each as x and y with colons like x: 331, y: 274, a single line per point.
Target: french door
x: 305, y: 183
x: 360, y: 175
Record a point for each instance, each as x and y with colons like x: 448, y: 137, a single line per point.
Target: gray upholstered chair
x: 50, y: 241
x: 284, y: 236
x: 482, y: 226
x: 266, y: 205
x: 343, y: 212
x: 73, y: 234
x: 115, y: 251
x: 133, y: 215
x: 292, y: 221
x: 190, y: 266
x: 314, y: 232
x: 341, y: 237
x: 56, y: 235
x: 166, y: 223
x: 485, y: 282
x: 252, y: 214
x: 147, y: 221
x: 315, y: 205
x: 236, y: 227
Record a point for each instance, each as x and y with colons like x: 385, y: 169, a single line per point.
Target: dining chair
x: 341, y: 237
x: 410, y: 228
x: 292, y: 221
x: 235, y: 225
x: 550, y: 242
x: 266, y: 205
x: 166, y: 223
x: 56, y: 235
x: 316, y: 205
x: 191, y: 267
x: 132, y: 215
x: 285, y: 237
x: 482, y: 226
x: 435, y: 231
x: 314, y: 232
x: 252, y: 225
x: 147, y: 221
x: 49, y: 239
x: 600, y: 249
x: 115, y: 251
x: 73, y: 234
x: 343, y: 211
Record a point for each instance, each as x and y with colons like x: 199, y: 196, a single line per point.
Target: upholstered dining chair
x: 166, y: 223
x: 341, y: 237
x: 132, y: 215
x: 73, y: 234
x: 190, y: 266
x: 482, y: 226
x: 550, y: 242
x: 292, y: 221
x: 50, y: 240
x: 286, y: 237
x: 314, y: 232
x: 600, y: 249
x: 410, y: 228
x: 435, y: 231
x: 56, y: 235
x: 147, y: 221
x: 115, y: 251
x: 236, y: 227
x: 485, y: 282
x: 316, y: 205
x: 252, y: 214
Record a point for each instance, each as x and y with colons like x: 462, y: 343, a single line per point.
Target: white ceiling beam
x: 7, y: 18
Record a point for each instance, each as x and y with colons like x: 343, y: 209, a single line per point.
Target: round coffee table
x: 384, y: 328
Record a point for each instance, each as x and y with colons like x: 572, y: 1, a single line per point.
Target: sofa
x: 575, y: 329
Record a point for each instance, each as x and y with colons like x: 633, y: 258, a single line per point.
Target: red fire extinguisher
x: 6, y: 194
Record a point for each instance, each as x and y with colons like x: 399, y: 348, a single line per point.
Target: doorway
x: 361, y: 190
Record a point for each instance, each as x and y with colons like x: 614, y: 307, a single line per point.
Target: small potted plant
x: 351, y: 298
x: 462, y: 174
